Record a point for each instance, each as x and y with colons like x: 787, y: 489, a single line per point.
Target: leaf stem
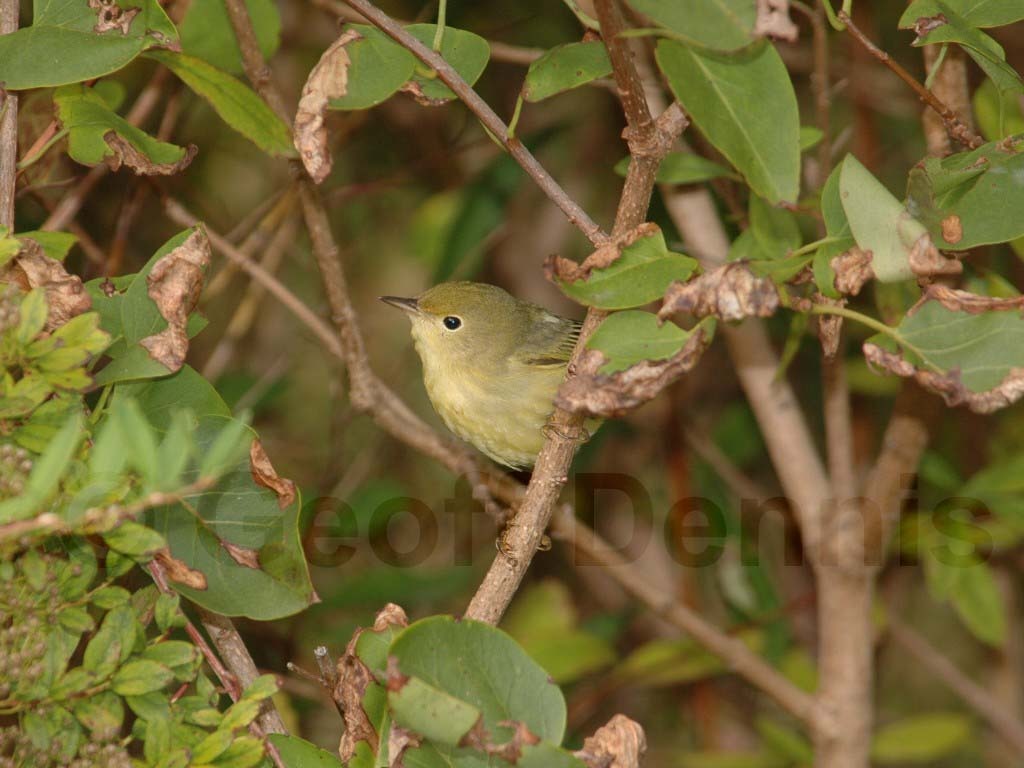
x: 587, y: 21
x: 815, y: 245
x: 875, y: 325
x: 936, y: 66
x: 27, y: 161
x: 511, y: 132
x: 442, y: 13
x: 831, y: 14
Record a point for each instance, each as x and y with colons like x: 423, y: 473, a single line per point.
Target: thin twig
x: 494, y: 124
x: 976, y: 696
x: 955, y: 125
x: 733, y: 651
x: 8, y: 126
x: 649, y: 142
x: 177, y: 213
x: 504, y: 52
x: 256, y: 68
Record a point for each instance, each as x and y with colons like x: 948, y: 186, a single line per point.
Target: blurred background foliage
x: 420, y: 195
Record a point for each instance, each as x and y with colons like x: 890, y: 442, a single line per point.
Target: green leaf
x: 773, y: 232
x: 879, y: 222
x: 263, y: 687
x: 921, y: 739
x: 75, y: 619
x: 172, y: 653
x: 54, y: 244
x: 630, y: 337
x: 134, y: 540
x: 97, y: 133
x: 110, y: 597
x: 977, y: 187
x: 234, y: 512
x: 32, y: 316
x: 723, y: 24
x: 61, y: 47
x: 432, y: 713
x: 998, y: 112
x: 683, y: 168
x: 210, y: 748
x: 207, y: 34
x: 47, y: 472
x: 967, y: 583
x: 1000, y: 487
x: 113, y: 643
x: 641, y: 274
x: 167, y: 613
x: 810, y: 137
x: 102, y: 714
x: 968, y: 358
x: 467, y: 53
x: 299, y: 753
x: 565, y: 67
x: 745, y: 105
x: 484, y: 668
x: 378, y: 68
x: 244, y: 752
x: 139, y: 677
x: 237, y: 105
x: 947, y: 26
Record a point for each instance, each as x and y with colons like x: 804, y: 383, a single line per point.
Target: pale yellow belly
x: 504, y: 421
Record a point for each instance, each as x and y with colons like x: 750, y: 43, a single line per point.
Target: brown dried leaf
x: 949, y: 385
x: 620, y: 743
x: 328, y: 80
x: 853, y: 270
x: 926, y: 261
x: 178, y: 571
x: 952, y: 229
x: 399, y: 740
x: 415, y: 90
x: 613, y: 395
x: 174, y: 284
x: 353, y: 678
x: 126, y: 153
x: 773, y: 21
x: 249, y: 558
x: 566, y: 270
x: 65, y: 293
x: 926, y: 24
x: 963, y: 301
x: 111, y: 16
x: 264, y: 474
x: 829, y: 327
x: 730, y: 292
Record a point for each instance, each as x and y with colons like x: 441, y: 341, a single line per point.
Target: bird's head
x: 464, y: 323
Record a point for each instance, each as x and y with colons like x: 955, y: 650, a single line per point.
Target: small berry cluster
x: 9, y: 307
x: 15, y: 466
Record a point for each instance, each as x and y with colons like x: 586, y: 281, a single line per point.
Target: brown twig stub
x: 490, y: 120
x: 256, y: 68
x: 955, y: 125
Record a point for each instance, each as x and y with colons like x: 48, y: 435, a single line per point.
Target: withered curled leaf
x: 248, y: 558
x: 125, y: 153
x: 556, y: 267
x: 353, y: 678
x: 852, y: 269
x: 179, y: 572
x: 110, y: 16
x: 264, y: 474
x: 620, y: 743
x: 952, y: 229
x: 926, y: 260
x: 964, y: 301
x: 65, y: 293
x: 829, y: 327
x: 730, y: 292
x: 399, y: 740
x: 608, y: 395
x: 174, y: 284
x: 773, y: 21
x: 328, y: 80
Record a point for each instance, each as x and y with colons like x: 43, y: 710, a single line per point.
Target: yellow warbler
x: 491, y: 364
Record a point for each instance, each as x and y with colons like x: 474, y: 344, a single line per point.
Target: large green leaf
x: 565, y: 67
x: 235, y: 534
x: 723, y: 25
x: 63, y: 47
x: 999, y: 113
x: 206, y: 33
x: 237, y: 104
x: 977, y: 188
x: 466, y: 52
x: 772, y: 234
x: 631, y: 337
x: 378, y: 68
x: 879, y: 222
x: 481, y: 673
x: 980, y: 13
x: 967, y: 357
x: 921, y: 739
x: 299, y: 753
x: 641, y: 273
x: 745, y: 105
x: 98, y: 134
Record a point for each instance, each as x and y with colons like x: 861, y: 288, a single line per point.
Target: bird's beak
x: 406, y: 305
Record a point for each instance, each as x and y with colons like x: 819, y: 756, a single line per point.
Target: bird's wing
x: 549, y: 340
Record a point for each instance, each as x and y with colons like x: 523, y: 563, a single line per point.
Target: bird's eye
x: 452, y: 323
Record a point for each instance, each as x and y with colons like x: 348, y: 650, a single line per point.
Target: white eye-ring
x: 452, y: 323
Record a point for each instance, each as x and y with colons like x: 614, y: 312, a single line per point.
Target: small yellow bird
x: 491, y: 364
